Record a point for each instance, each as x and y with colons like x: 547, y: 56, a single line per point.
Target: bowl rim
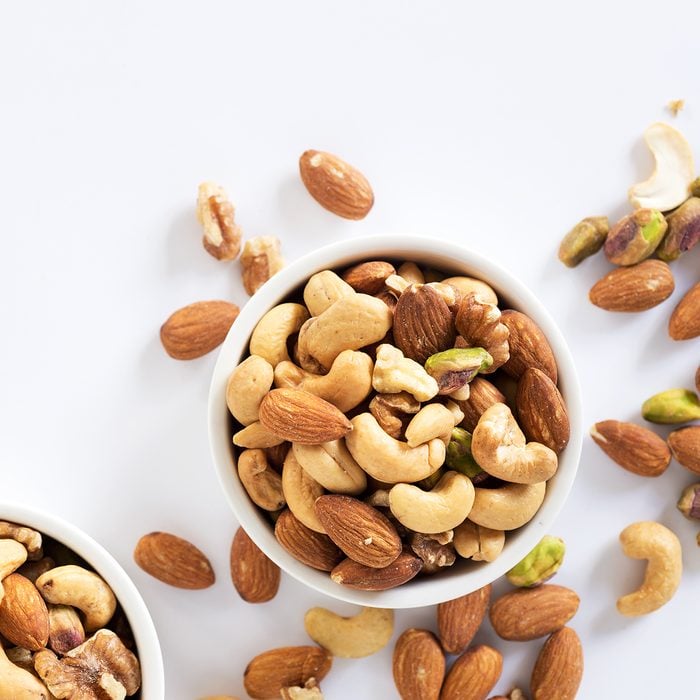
x: 149, y: 651
x: 428, y: 590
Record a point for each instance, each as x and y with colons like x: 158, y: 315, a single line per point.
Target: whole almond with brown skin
x: 482, y: 395
x: 685, y: 319
x: 309, y: 547
x: 685, y: 447
x: 634, y: 288
x: 368, y: 277
x: 269, y: 672
x: 174, y: 561
x: 418, y: 665
x: 366, y: 578
x: 528, y: 345
x: 459, y: 619
x: 336, y: 185
x: 299, y: 416
x: 364, y: 534
x: 529, y: 613
x: 24, y: 618
x: 633, y: 447
x: 542, y: 413
x: 254, y: 575
x: 197, y: 329
x: 473, y: 674
x: 559, y: 667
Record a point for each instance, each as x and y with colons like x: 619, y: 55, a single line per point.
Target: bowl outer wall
x: 432, y: 252
x: 148, y: 646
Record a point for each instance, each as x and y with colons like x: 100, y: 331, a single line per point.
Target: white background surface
x: 499, y: 127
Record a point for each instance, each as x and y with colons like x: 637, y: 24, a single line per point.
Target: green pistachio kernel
x: 454, y: 368
x: 672, y: 406
x: 540, y: 564
x: 584, y: 239
x: 430, y: 482
x: 459, y: 454
x: 635, y: 237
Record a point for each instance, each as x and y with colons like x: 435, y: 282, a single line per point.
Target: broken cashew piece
x: 500, y: 449
x: 246, y: 387
x: 394, y: 373
x: 31, y: 539
x: 432, y: 421
x: 323, y: 289
x: 350, y: 637
x: 12, y: 556
x: 508, y: 507
x: 262, y: 483
x: 269, y: 339
x: 472, y: 541
x: 256, y: 436
x: 332, y: 466
x: 656, y: 543
x: 15, y: 682
x: 301, y: 491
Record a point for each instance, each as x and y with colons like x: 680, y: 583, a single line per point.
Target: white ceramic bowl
x: 432, y: 252
x: 147, y: 645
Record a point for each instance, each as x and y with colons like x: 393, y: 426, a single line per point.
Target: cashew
x: 263, y: 484
x: 323, y: 289
x: 246, y: 386
x: 456, y: 411
x: 350, y: 637
x: 437, y: 451
x: 443, y: 508
x: 470, y: 285
x: 332, y: 466
x: 507, y: 507
x: 432, y: 421
x: 411, y: 273
x: 31, y: 539
x: 378, y: 499
x: 461, y: 394
x: 18, y: 684
x: 391, y: 410
x: 394, y: 373
x: 449, y: 294
x: 499, y: 448
x: 397, y: 284
x: 83, y: 589
x: 12, y: 556
x: 387, y: 459
x: 479, y: 543
x: 256, y: 435
x: 346, y: 385
x: 350, y: 324
x: 301, y: 491
x: 269, y: 339
x: 656, y: 543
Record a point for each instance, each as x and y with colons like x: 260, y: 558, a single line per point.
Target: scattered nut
x: 260, y: 260
x: 635, y: 237
x: 685, y: 319
x: 215, y: 213
x: 584, y: 239
x: 635, y: 288
x: 684, y: 444
x: 683, y: 230
x: 559, y: 667
x: 672, y: 406
x: 473, y: 674
x: 689, y: 502
x: 540, y: 564
x: 255, y: 577
x: 418, y: 665
x: 309, y: 691
x: 459, y: 620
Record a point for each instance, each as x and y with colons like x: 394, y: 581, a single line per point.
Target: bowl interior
x: 452, y: 259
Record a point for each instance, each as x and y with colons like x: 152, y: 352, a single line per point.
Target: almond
x: 529, y: 613
x: 635, y: 288
x: 362, y: 532
x: 174, y: 561
x: 24, y: 618
x: 473, y: 674
x: 336, y: 185
x: 309, y: 547
x: 254, y: 575
x: 541, y: 410
x: 197, y: 329
x: 685, y: 447
x: 299, y: 416
x: 459, y: 619
x: 418, y: 665
x: 368, y: 277
x: 482, y: 395
x: 366, y: 578
x: 528, y: 346
x: 685, y: 319
x: 423, y: 323
x: 633, y: 447
x: 559, y: 667
x: 269, y: 672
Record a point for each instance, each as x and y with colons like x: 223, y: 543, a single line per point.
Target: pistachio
x: 459, y: 455
x: 454, y: 368
x: 584, y: 239
x: 635, y: 237
x: 428, y: 484
x: 689, y: 502
x: 540, y: 564
x: 672, y: 406
x: 683, y: 230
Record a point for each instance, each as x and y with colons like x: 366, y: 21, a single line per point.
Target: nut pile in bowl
x: 392, y: 422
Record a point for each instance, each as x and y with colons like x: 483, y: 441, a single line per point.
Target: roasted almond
x: 418, y: 665
x: 351, y: 573
x: 528, y: 346
x: 254, y: 575
x: 197, y: 329
x: 363, y: 533
x: 174, y: 561
x: 635, y: 288
x: 685, y: 319
x: 459, y: 619
x: 473, y: 674
x: 542, y: 413
x: 269, y: 672
x: 685, y: 447
x: 633, y: 447
x: 368, y: 277
x: 311, y: 548
x: 559, y: 667
x: 24, y: 618
x: 529, y: 613
x: 336, y: 185
x: 482, y: 395
x: 299, y: 416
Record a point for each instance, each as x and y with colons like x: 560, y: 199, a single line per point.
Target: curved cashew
x: 389, y: 460
x: 479, y: 543
x: 301, y: 491
x: 31, y: 539
x: 411, y: 273
x: 269, y: 339
x: 350, y: 637
x: 332, y: 466
x: 262, y: 483
x: 500, y: 449
x: 443, y: 508
x: 456, y: 411
x: 83, y: 589
x: 246, y: 386
x: 323, y: 289
x: 432, y: 421
x: 394, y: 373
x: 255, y: 436
x: 346, y: 385
x: 508, y: 507
x: 471, y: 285
x: 19, y: 684
x: 656, y: 543
x: 12, y: 556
